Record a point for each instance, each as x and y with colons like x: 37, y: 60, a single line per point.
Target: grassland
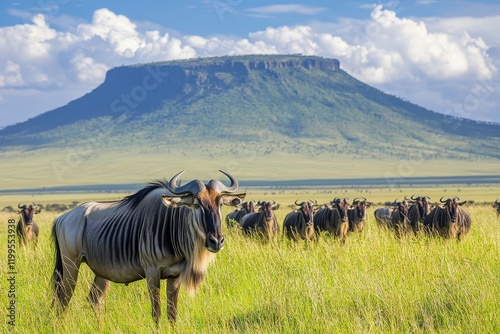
x: 374, y: 283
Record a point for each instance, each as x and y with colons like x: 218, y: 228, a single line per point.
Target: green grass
x: 374, y: 283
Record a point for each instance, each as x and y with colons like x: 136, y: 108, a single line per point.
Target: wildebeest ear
x: 233, y: 199
x: 175, y: 201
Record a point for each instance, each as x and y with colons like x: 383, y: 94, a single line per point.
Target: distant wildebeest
x: 153, y: 234
x: 357, y: 214
x: 262, y: 222
x: 417, y: 212
x: 234, y: 218
x: 27, y: 229
x: 333, y: 219
x: 449, y: 221
x: 496, y: 205
x: 399, y: 218
x: 299, y: 224
x: 383, y: 216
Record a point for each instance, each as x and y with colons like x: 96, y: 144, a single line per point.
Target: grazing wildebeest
x: 417, y: 212
x: 262, y: 222
x: 357, y: 214
x: 496, y: 205
x: 399, y: 218
x: 299, y: 224
x: 149, y: 234
x: 333, y: 219
x: 234, y: 218
x: 27, y: 229
x: 449, y: 221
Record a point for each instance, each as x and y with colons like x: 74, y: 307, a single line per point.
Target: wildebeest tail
x: 58, y: 269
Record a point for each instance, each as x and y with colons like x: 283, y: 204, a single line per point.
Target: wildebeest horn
x: 33, y: 205
x: 456, y: 199
x: 313, y: 201
x: 298, y: 203
x: 221, y: 188
x: 193, y: 187
x: 412, y: 197
x: 441, y: 200
x: 497, y: 202
x: 407, y: 199
x: 21, y: 207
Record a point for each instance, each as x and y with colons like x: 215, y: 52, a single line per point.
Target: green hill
x: 263, y: 110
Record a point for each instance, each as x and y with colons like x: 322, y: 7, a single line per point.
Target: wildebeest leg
x: 153, y: 279
x: 98, y: 291
x: 66, y: 281
x: 172, y: 294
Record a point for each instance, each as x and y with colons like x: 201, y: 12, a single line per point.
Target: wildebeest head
x: 249, y: 206
x: 307, y: 208
x: 27, y: 212
x: 402, y: 207
x: 206, y: 201
x: 267, y: 208
x: 496, y: 205
x: 452, y: 204
x: 423, y: 206
x: 360, y: 205
x: 342, y: 204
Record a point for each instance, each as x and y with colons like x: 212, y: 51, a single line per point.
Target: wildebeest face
x: 342, y: 204
x: 205, y: 201
x: 27, y: 213
x: 452, y: 204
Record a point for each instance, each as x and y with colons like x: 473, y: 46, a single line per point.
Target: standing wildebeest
x: 149, y: 235
x: 449, y: 221
x: 357, y: 214
x: 496, y: 205
x: 234, y: 218
x: 333, y: 219
x: 383, y: 216
x: 299, y: 224
x: 399, y: 218
x: 27, y: 229
x: 418, y: 211
x: 263, y: 222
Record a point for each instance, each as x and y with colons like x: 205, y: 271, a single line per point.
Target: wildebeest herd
x: 171, y: 231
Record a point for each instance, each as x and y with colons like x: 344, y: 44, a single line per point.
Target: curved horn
x: 33, y: 205
x: 407, y: 199
x: 221, y: 187
x: 412, y: 197
x: 192, y: 187
x: 297, y: 203
x: 497, y: 202
x: 313, y: 201
x: 272, y: 202
x: 21, y: 207
x: 456, y: 199
x: 441, y: 200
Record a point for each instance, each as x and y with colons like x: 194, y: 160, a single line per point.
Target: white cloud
x: 410, y: 58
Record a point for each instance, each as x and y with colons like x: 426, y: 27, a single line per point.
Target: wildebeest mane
x: 133, y: 200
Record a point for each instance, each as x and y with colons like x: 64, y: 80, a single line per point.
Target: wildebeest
x: 399, y: 218
x: 262, y: 222
x: 417, y: 212
x: 449, y: 221
x: 333, y: 219
x: 383, y: 216
x: 152, y: 234
x: 299, y: 224
x: 234, y: 217
x: 27, y: 229
x: 496, y: 205
x: 357, y: 214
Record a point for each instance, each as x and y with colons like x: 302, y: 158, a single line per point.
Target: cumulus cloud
x: 400, y: 55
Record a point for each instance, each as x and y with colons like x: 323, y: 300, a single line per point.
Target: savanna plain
x: 374, y: 283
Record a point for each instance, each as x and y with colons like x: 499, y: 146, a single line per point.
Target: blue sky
x: 443, y: 55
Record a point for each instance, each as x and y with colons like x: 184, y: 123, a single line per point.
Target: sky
x: 442, y: 55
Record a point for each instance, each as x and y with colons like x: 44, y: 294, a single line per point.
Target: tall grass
x: 373, y: 283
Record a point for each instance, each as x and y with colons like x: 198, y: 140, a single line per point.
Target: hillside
x: 268, y: 107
